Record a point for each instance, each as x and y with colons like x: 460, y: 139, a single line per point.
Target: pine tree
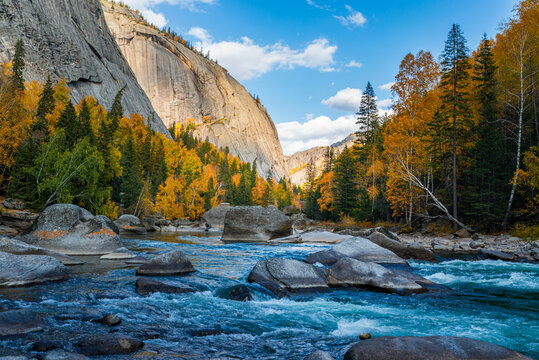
x: 69, y: 123
x: 116, y: 112
x: 18, y: 64
x: 346, y: 188
x: 367, y: 115
x: 85, y: 126
x: 455, y: 99
x: 45, y: 106
x: 309, y: 189
x: 130, y: 182
x: 244, y: 195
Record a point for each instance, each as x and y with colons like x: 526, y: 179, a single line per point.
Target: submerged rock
x: 22, y: 270
x: 355, y: 273
x: 406, y: 251
x: 19, y: 322
x: 63, y: 355
x: 17, y: 247
x: 119, y: 254
x: 255, y: 224
x: 358, y: 248
x: 109, y: 344
x: 146, y: 286
x: 285, y: 276
x: 319, y: 355
x: 171, y: 263
x: 130, y: 224
x: 244, y: 292
x: 429, y: 347
x: 71, y: 230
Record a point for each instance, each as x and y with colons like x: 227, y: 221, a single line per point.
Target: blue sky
x: 308, y: 60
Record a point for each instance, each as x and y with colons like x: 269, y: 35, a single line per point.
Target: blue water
x: 492, y: 300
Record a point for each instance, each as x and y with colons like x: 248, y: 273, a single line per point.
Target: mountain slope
x: 70, y: 39
x: 297, y: 162
x: 185, y: 86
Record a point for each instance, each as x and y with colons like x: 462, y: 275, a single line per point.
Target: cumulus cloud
x: 318, y: 131
x: 346, y: 99
x: 159, y: 19
x: 353, y: 19
x: 386, y: 86
x: 384, y: 103
x: 354, y: 64
x: 245, y: 59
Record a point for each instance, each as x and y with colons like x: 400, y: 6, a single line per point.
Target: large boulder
x: 171, y: 263
x: 109, y: 344
x: 429, y: 347
x: 406, y: 251
x: 17, y: 247
x: 359, y: 249
x: 355, y: 273
x: 130, y: 224
x: 215, y: 217
x: 285, y: 276
x: 71, y: 230
x: 255, y: 224
x: 19, y: 322
x: 22, y: 270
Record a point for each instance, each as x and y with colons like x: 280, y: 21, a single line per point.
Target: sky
x: 309, y: 60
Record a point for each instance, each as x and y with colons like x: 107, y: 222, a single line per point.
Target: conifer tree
x: 346, y: 188
x: 45, y: 107
x: 18, y: 64
x: 130, y: 182
x: 455, y: 99
x: 85, y: 126
x: 367, y: 115
x: 309, y: 189
x: 69, y: 123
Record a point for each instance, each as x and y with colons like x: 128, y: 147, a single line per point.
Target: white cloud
x: 245, y: 59
x: 158, y: 19
x: 386, y: 86
x: 384, y: 103
x: 319, y: 131
x: 353, y: 19
x: 347, y: 100
x: 354, y: 64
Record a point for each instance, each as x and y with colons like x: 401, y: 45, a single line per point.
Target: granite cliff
x: 185, y: 86
x: 70, y: 39
x: 297, y: 163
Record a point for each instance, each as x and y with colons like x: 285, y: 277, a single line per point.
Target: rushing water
x: 493, y: 301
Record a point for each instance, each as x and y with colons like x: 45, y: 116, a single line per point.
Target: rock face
x: 19, y: 322
x: 71, y: 230
x: 130, y: 224
x: 297, y: 163
x: 22, y: 270
x: 170, y: 263
x: 359, y: 249
x: 429, y: 347
x: 183, y: 85
x: 69, y: 39
x: 285, y: 276
x: 355, y: 273
x: 215, y: 217
x: 406, y: 251
x: 255, y: 224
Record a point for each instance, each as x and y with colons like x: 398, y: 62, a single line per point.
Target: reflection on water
x: 494, y: 301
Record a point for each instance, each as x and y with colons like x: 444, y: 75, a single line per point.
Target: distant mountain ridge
x: 184, y: 86
x: 297, y: 162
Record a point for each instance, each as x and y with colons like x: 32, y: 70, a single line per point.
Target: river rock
x: 285, y: 276
x: 109, y: 320
x: 462, y: 233
x: 323, y: 236
x: 63, y: 355
x: 23, y: 270
x: 365, y: 336
x: 357, y: 248
x: 319, y: 355
x: 146, y: 286
x: 109, y: 344
x: 355, y: 273
x: 8, y: 231
x: 71, y: 230
x: 17, y: 247
x: 497, y: 255
x: 130, y: 224
x: 429, y: 347
x: 18, y: 220
x: 215, y: 217
x: 255, y: 224
x: 406, y: 251
x: 119, y: 254
x: 20, y: 322
x: 171, y: 263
